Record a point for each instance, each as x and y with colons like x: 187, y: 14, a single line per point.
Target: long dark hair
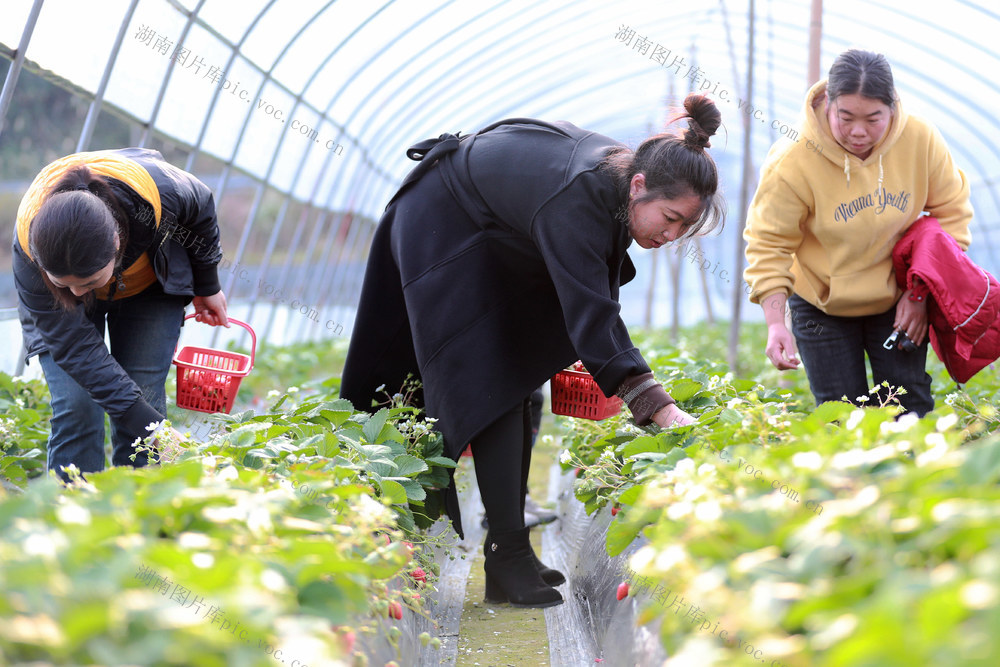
x: 73, y: 233
x: 676, y: 164
x: 857, y: 72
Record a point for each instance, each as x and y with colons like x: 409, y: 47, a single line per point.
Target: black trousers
x: 502, y: 456
x: 834, y: 348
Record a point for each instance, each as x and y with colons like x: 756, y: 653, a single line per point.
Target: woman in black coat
x: 115, y: 240
x: 498, y: 263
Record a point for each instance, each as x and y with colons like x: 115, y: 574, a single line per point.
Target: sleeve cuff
x: 138, y: 417
x: 759, y: 297
x: 918, y: 288
x: 206, y: 280
x: 644, y: 396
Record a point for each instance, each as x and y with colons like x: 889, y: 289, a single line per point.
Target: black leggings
x: 502, y: 456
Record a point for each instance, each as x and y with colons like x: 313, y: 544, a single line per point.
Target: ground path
x: 591, y: 628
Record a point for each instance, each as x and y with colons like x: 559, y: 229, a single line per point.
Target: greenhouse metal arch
x: 387, y: 76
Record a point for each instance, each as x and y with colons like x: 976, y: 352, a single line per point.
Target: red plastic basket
x: 576, y: 394
x: 208, y: 379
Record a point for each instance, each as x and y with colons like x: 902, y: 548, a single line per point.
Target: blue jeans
x: 143, y: 332
x: 833, y: 351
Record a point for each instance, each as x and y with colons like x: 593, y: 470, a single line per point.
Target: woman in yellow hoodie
x: 822, y: 225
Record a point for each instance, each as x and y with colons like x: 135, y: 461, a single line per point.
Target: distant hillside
x: 44, y: 122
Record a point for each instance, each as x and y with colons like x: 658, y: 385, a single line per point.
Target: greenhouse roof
x: 361, y: 81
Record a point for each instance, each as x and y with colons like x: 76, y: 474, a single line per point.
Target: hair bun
x: 704, y: 119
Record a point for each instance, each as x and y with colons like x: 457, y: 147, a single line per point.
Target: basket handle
x: 253, y: 337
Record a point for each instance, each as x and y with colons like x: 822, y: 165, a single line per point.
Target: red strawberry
x: 419, y: 575
x: 395, y: 610
x: 347, y: 641
x: 614, y: 510
x: 623, y: 590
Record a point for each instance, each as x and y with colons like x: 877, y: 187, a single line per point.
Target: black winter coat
x: 184, y: 250
x: 497, y: 264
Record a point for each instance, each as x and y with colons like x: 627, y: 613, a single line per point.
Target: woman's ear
x: 637, y: 186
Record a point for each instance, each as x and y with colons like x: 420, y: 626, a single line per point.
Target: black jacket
x: 497, y: 264
x: 184, y: 250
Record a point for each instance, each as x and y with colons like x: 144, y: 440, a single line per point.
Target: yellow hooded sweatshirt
x: 823, y: 222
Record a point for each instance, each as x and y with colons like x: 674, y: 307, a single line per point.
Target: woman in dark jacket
x: 498, y: 263
x: 120, y: 239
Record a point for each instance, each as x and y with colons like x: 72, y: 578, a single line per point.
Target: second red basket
x: 207, y: 379
x: 576, y: 394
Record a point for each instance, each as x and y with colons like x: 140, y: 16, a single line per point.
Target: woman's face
x: 80, y: 286
x: 858, y: 123
x: 659, y: 221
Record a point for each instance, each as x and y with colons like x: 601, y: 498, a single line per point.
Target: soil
x: 499, y: 635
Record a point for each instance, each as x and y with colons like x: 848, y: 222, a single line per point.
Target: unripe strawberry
x: 623, y: 590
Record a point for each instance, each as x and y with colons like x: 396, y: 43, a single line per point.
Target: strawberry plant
x: 297, y: 522
x: 24, y: 431
x: 813, y: 536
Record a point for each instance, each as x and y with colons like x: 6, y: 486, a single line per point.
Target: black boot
x: 511, y: 574
x: 551, y: 576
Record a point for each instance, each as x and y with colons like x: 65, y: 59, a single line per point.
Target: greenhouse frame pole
x: 651, y: 290
x: 95, y: 105
x: 15, y: 67
x: 8, y: 94
x: 815, y: 41
x: 147, y: 133
x: 674, y: 267
x: 706, y: 290
x: 734, y: 322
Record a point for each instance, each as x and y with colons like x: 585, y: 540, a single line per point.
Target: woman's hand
x: 671, y: 415
x: 781, y: 347
x: 167, y: 445
x: 211, y: 309
x: 911, y: 318
x: 780, y: 342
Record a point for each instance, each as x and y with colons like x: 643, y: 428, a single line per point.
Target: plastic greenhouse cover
x: 349, y: 84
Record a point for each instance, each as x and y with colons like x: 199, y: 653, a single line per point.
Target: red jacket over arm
x: 964, y: 311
